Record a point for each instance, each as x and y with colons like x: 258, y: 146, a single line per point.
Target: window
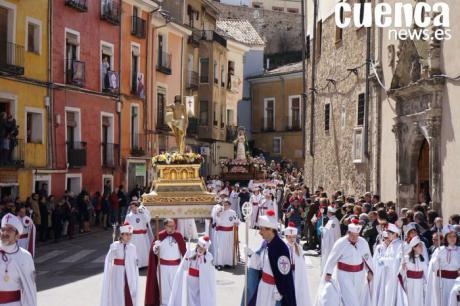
x: 161, y: 100
x: 230, y: 115
x: 319, y: 34
x: 358, y: 145
x: 136, y: 82
x: 72, y: 49
x: 308, y: 47
x: 222, y: 116
x: 33, y: 35
x: 294, y: 112
x: 216, y: 73
x: 293, y: 10
x: 215, y: 114
x: 134, y: 126
x: 222, y: 75
x: 34, y: 127
x: 204, y: 113
x: 361, y: 106
x: 327, y: 116
x: 276, y: 145
x: 343, y: 117
x: 109, y: 80
x: 231, y: 73
x: 269, y: 114
x: 339, y: 30
x: 204, y: 70
x: 73, y: 126
x: 278, y: 9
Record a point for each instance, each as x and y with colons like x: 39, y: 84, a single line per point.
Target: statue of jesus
x: 177, y: 120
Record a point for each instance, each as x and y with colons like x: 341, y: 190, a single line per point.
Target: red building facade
x: 85, y: 97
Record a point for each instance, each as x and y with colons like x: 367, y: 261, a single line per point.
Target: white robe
x: 255, y: 200
x: 393, y: 290
x: 415, y: 287
x: 444, y: 258
x: 169, y: 250
x: 265, y: 291
x: 113, y: 285
x: 27, y: 241
x: 21, y: 274
x: 299, y: 272
x: 330, y: 233
x: 354, y: 287
x: 187, y: 227
x: 454, y: 298
x: 225, y: 239
x: 194, y: 291
x: 378, y: 288
x: 142, y: 241
x: 212, y: 229
x: 234, y: 201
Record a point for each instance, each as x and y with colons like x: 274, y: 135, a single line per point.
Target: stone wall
x: 332, y: 163
x: 280, y: 31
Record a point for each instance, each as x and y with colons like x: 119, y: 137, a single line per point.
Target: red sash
x: 10, y: 296
x: 224, y: 228
x: 269, y: 279
x: 119, y: 262
x: 350, y: 268
x: 140, y: 231
x: 414, y: 274
x: 24, y: 236
x: 447, y: 274
x: 194, y: 272
x: 166, y: 262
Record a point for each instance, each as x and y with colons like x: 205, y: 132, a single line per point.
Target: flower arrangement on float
x: 177, y: 158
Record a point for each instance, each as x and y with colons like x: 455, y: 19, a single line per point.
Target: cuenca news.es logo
x: 406, y: 21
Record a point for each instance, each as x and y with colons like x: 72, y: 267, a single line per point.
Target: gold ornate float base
x: 179, y: 192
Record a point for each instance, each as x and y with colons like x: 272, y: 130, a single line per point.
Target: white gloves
x: 248, y: 250
x: 156, y: 246
x: 277, y: 296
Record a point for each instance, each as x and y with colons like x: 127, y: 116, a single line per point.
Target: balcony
x: 213, y: 36
x: 77, y: 4
x: 192, y: 80
x: 137, y: 145
x: 75, y: 72
x: 76, y: 154
x: 110, y: 154
x: 234, y: 83
x: 232, y: 132
x: 14, y: 157
x: 164, y: 62
x: 293, y: 124
x: 267, y: 125
x: 11, y: 58
x: 138, y: 27
x: 110, y: 11
x: 195, y: 38
x: 192, y: 128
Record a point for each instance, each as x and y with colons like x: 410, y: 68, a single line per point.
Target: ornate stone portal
x: 179, y: 192
x: 418, y: 95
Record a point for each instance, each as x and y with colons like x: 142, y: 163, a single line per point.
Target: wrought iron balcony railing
x: 192, y: 80
x: 11, y: 58
x: 77, y: 4
x: 164, y: 62
x: 138, y: 27
x: 110, y: 154
x: 75, y: 72
x: 110, y: 11
x: 13, y: 156
x: 76, y: 154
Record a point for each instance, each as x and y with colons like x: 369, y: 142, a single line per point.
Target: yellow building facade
x: 276, y: 108
x: 24, y: 96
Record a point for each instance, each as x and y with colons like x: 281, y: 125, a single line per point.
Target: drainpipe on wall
x: 118, y: 104
x: 49, y: 92
x: 366, y: 104
x: 304, y: 84
x: 313, y: 79
x: 147, y: 85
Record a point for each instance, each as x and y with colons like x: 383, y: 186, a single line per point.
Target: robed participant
x: 195, y: 283
x: 17, y: 271
x: 348, y: 271
x: 330, y: 233
x: 170, y: 248
x: 121, y: 274
x: 299, y: 270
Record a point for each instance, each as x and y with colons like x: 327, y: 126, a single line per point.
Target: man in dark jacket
x: 370, y: 232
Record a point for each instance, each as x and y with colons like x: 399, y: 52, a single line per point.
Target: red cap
x: 270, y: 213
x: 355, y: 221
x: 291, y: 224
x: 126, y: 223
x: 206, y: 238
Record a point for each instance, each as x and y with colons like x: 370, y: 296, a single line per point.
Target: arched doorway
x: 423, y: 174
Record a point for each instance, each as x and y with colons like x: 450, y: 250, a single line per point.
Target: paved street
x: 70, y: 272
